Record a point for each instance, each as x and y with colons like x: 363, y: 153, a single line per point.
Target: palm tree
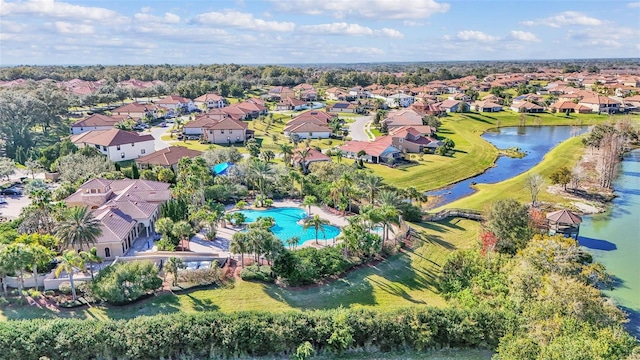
x: 317, y: 223
x: 302, y: 159
x: 308, y: 201
x: 339, y: 156
x: 79, y: 229
x: 173, y: 264
x: 260, y: 171
x: 14, y: 259
x: 239, y: 245
x: 295, y: 176
x: 92, y: 258
x: 413, y: 194
x: 388, y: 215
x: 38, y: 254
x: 389, y: 197
x: 372, y: 184
x: 182, y: 229
x: 68, y: 262
x: 293, y: 241
x: 287, y: 151
x: 258, y: 240
x: 361, y: 154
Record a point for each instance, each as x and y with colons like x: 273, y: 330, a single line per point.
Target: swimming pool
x: 287, y: 224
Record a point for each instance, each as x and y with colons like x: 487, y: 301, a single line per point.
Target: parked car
x: 11, y: 191
x: 162, y: 124
x: 3, y: 201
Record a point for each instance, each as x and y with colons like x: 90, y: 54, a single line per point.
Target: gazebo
x: 564, y: 222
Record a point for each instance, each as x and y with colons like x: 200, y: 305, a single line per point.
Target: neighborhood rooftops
x: 109, y: 137
x: 168, y: 156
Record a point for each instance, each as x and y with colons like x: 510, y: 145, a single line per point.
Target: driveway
x: 14, y: 205
x: 356, y: 129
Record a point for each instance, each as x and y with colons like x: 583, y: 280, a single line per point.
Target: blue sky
x: 309, y: 31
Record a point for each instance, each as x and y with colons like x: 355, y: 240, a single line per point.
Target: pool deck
x: 224, y: 234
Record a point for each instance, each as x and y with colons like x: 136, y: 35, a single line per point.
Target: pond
x: 534, y: 141
x: 613, y: 239
x: 287, y: 226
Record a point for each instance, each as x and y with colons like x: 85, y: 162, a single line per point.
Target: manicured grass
x: 405, y: 279
x: 473, y: 155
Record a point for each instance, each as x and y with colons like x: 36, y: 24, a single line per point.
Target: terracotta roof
x: 114, y: 223
x: 226, y: 124
x: 314, y: 155
x: 448, y: 104
x: 209, y: 97
x: 374, y: 148
x: 403, y: 117
x: 173, y: 99
x: 96, y: 120
x: 168, y: 156
x: 527, y: 105
x: 308, y: 127
x: 564, y: 216
x: 110, y: 137
x: 136, y: 107
x: 599, y: 99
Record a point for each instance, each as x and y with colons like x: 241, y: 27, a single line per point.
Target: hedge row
x: 222, y: 335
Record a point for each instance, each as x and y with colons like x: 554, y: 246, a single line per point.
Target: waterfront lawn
x: 405, y: 279
x: 472, y: 155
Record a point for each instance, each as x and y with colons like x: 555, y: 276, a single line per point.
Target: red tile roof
x: 168, y: 156
x: 109, y: 137
x: 96, y: 120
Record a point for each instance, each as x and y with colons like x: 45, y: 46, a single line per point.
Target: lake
x: 613, y: 238
x: 534, y: 141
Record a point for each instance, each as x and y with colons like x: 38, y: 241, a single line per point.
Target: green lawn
x: 473, y: 155
x: 403, y: 280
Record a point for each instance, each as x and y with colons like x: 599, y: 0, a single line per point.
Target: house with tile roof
x: 526, y: 107
x: 343, y: 107
x: 94, y: 122
x: 313, y: 156
x: 175, y: 102
x: 291, y: 104
x: 116, y: 144
x: 138, y: 110
x: 217, y: 129
x: 379, y: 151
x: 486, y: 106
x: 167, y: 157
x: 411, y: 140
x: 125, y: 208
x: 311, y: 124
x: 601, y: 104
x: 563, y: 106
x: 212, y: 101
x: 404, y: 117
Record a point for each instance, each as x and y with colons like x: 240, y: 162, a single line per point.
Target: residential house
x: 280, y: 92
x: 411, y: 140
x: 312, y: 156
x: 486, y: 106
x: 217, y: 130
x: 177, y: 103
x: 313, y: 129
x: 211, y: 101
x: 563, y: 106
x: 601, y: 104
x: 289, y: 103
x: 632, y: 102
x: 405, y: 117
x: 358, y: 92
x: 460, y: 97
x: 526, y: 107
x: 344, y: 107
x: 137, y: 111
x: 125, y: 209
x: 399, y: 100
x: 117, y: 145
x: 94, y: 122
x: 450, y: 106
x: 423, y: 108
x: 337, y: 94
x: 379, y: 151
x: 494, y: 99
x: 167, y: 157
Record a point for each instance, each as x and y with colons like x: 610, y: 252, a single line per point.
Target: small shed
x: 564, y: 222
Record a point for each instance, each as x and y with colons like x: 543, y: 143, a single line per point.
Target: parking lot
x: 15, y: 203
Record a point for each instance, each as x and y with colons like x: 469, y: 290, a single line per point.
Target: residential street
x: 157, y: 132
x: 357, y: 128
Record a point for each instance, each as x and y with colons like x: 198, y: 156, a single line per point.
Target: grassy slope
x: 402, y: 280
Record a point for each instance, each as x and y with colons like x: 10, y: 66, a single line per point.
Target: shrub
x: 126, y: 282
x: 253, y: 273
x: 201, y: 276
x: 309, y: 265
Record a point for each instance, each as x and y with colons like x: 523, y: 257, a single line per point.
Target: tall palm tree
x: 79, y: 228
x: 260, y: 171
x: 92, y: 258
x: 292, y: 242
x: 388, y: 215
x: 239, y: 245
x: 173, y: 264
x: 308, y: 201
x: 302, y: 159
x: 317, y: 223
x: 287, y: 151
x: 68, y: 262
x: 372, y: 184
x: 388, y: 197
x: 181, y: 230
x: 295, y: 176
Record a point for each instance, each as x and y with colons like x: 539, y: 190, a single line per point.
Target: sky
x: 51, y: 32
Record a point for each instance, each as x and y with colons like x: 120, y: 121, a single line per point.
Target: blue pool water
x: 287, y: 224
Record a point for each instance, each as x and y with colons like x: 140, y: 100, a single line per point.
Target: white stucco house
x: 117, y: 145
x: 94, y: 122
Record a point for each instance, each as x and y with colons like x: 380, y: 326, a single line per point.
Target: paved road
x: 356, y: 129
x: 157, y: 132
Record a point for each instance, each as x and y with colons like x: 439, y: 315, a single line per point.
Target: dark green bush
x: 249, y: 334
x: 126, y: 282
x: 252, y: 272
x: 309, y: 265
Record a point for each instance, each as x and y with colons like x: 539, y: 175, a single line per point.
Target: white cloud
x: 634, y: 4
x: 349, y: 30
x: 145, y: 17
x: 523, y: 36
x: 473, y: 35
x: 565, y: 18
x: 64, y: 27
x: 373, y: 9
x: 242, y: 21
x: 59, y: 10
x: 412, y: 23
x: 611, y: 37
